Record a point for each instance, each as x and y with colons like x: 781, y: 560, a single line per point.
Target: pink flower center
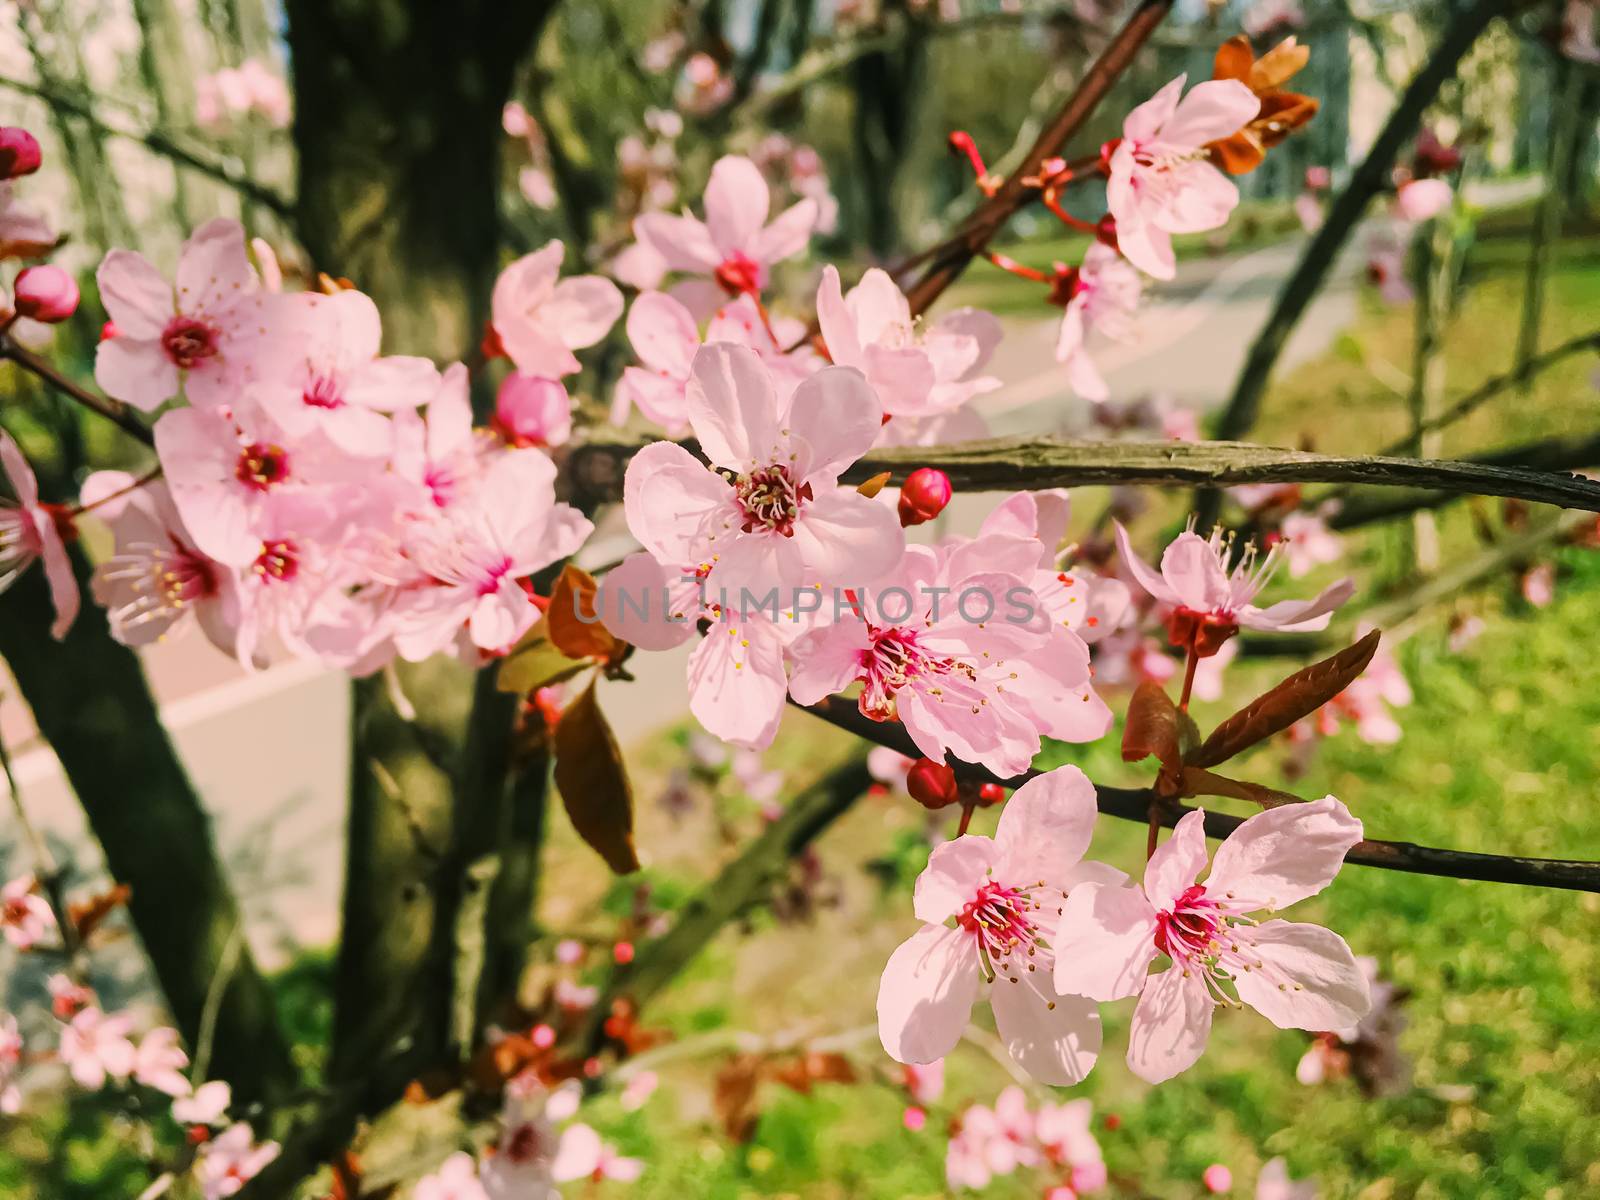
x: 189, y: 341
x: 183, y: 577
x: 527, y: 1144
x: 278, y: 561
x: 16, y: 911
x: 738, y: 274
x: 322, y: 392
x: 493, y: 573
x: 769, y: 499
x: 441, y: 483
x: 891, y: 662
x: 1188, y: 931
x: 262, y: 465
x: 1001, y: 919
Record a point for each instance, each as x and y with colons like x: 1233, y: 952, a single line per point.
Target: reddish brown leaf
x: 1152, y: 727
x: 594, y: 783
x: 572, y: 622
x: 1277, y: 66
x: 871, y: 487
x: 90, y: 914
x: 535, y: 663
x: 1234, y: 59
x: 1199, y: 782
x: 1298, y: 696
x: 734, y: 1097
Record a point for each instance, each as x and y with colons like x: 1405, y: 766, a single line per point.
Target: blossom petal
x: 1171, y: 1025
x: 826, y: 660
x: 640, y: 583
x: 837, y: 322
x: 1195, y: 574
x: 670, y: 500
x: 1310, y: 980
x: 663, y: 334
x: 926, y: 994
x: 732, y: 406
x: 135, y: 371
x: 1105, y: 941
x: 736, y: 201
x: 1296, y: 616
x: 788, y: 233
x: 18, y: 471
x: 683, y: 242
x: 1056, y: 1039
x: 847, y: 539
x: 1172, y: 869
x: 1046, y: 825
x: 1285, y: 854
x: 583, y: 309
x: 736, y: 682
x: 1143, y: 573
x: 1211, y: 111
x: 136, y: 296
x: 838, y: 416
x: 59, y: 575
x: 1145, y: 121
x: 956, y: 870
x: 214, y: 268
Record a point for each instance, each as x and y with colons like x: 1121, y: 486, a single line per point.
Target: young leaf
x: 1298, y: 696
x: 593, y: 782
x: 572, y: 622
x: 1152, y: 726
x: 1200, y: 782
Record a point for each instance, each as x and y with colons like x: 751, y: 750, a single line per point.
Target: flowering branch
x: 1135, y: 804
x: 951, y: 256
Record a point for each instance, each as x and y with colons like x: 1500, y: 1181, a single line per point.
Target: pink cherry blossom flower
x: 213, y: 336
x: 1274, y: 1184
x: 232, y: 1159
x: 156, y: 575
x: 472, y: 557
x: 991, y: 1142
x: 31, y: 530
x: 1538, y: 584
x: 1104, y: 295
x: 223, y: 467
x: 1578, y: 31
x: 1129, y: 657
x: 456, y: 1179
x: 530, y: 411
x: 1063, y: 1134
x: 1210, y: 603
x: 294, y: 581
x: 1161, y: 182
x: 68, y: 997
x: 95, y: 1047
x: 523, y: 1165
x: 204, y: 1106
x: 776, y: 518
x: 1298, y: 976
x: 1003, y: 894
x: 11, y: 1047
x: 160, y: 1061
x: 337, y: 384
x: 541, y: 319
x: 665, y: 337
x: 963, y: 654
x: 734, y: 244
x: 638, y: 1090
x: 736, y: 679
x: 1309, y: 543
x: 437, y: 451
x: 24, y: 914
x: 916, y: 372
x: 1422, y: 199
x: 585, y: 1155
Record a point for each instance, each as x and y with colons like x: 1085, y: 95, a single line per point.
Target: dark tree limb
x: 113, y: 410
x: 1134, y: 804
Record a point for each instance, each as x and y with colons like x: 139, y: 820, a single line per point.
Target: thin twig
x: 206, y: 1038
x: 112, y: 410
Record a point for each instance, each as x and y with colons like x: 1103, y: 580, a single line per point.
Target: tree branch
x: 594, y: 471
x: 1133, y: 804
x: 112, y: 410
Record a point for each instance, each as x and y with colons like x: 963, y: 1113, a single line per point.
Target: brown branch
x: 952, y: 255
x: 594, y: 471
x: 1135, y: 804
x: 113, y: 410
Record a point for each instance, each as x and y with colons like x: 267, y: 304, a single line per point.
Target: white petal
x: 1285, y: 854
x: 1177, y: 862
x: 1105, y: 941
x: 926, y: 993
x: 1311, y: 980
x: 1056, y: 1039
x: 1045, y: 827
x: 1171, y: 1024
x: 955, y: 872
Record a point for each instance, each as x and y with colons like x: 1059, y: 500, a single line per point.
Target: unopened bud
x: 931, y: 784
x: 923, y: 495
x: 46, y: 294
x: 991, y: 794
x: 19, y: 152
x: 1105, y: 231
x: 532, y: 411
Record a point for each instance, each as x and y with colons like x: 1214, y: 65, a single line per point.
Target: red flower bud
x: 108, y: 331
x: 931, y: 784
x: 923, y: 496
x: 19, y: 152
x: 45, y: 294
x: 1105, y: 231
x: 1107, y: 149
x: 623, y: 952
x: 991, y: 794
